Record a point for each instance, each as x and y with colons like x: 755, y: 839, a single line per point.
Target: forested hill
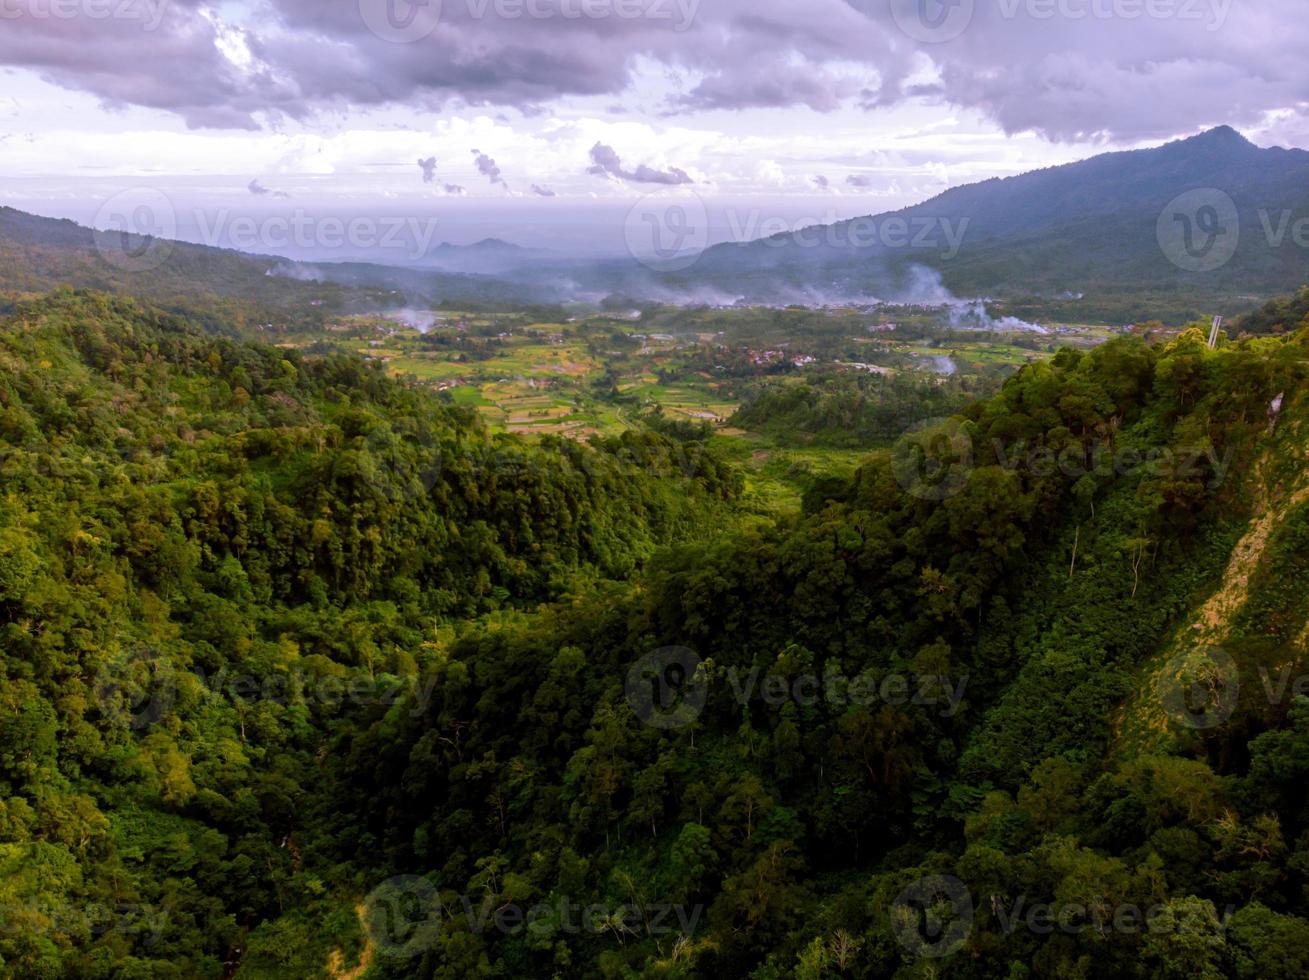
x: 305, y: 675
x: 1279, y: 315
x: 186, y: 519
x: 986, y: 676
x: 224, y: 290
x: 1092, y: 227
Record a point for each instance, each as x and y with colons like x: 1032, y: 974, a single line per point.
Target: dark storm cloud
x: 606, y: 163
x: 488, y: 168
x: 160, y: 54
x: 307, y: 55
x: 771, y: 83
x: 822, y: 182
x: 428, y: 167
x: 540, y: 191
x: 1067, y: 69
x: 859, y: 180
x: 454, y: 190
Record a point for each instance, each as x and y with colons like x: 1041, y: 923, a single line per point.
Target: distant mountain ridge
x: 485, y: 245
x: 1087, y: 229
x: 223, y: 288
x: 1079, y: 227
x: 490, y: 256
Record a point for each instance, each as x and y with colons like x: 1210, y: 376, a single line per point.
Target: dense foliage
x: 1286, y: 313
x: 1046, y: 588
x: 1012, y: 585
x: 849, y: 409
x: 182, y: 515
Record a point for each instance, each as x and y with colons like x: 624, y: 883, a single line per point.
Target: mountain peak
x: 1220, y: 136
x: 486, y: 244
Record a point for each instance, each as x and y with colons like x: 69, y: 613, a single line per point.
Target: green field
x: 597, y: 375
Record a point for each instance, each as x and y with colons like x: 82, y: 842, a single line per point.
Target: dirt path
x: 336, y: 967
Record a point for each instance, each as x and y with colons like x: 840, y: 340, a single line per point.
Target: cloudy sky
x: 542, y: 121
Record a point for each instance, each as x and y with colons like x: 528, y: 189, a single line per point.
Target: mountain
x: 490, y: 256
x: 487, y: 246
x: 1211, y: 223
x: 226, y: 289
x: 1086, y: 227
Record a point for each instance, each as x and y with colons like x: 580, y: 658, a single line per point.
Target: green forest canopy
x: 285, y: 640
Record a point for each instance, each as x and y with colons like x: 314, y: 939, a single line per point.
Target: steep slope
x: 212, y: 554
x: 225, y: 289
x: 1087, y: 226
x: 1232, y: 636
x: 995, y: 590
x: 282, y: 639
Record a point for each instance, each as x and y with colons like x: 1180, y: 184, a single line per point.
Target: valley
x: 645, y: 583
x: 597, y: 374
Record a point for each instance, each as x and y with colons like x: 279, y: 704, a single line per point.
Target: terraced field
x: 596, y: 374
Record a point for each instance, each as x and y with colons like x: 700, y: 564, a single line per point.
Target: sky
x: 547, y: 122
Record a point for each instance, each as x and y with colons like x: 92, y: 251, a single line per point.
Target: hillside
x: 211, y: 554
x: 304, y: 674
x: 226, y: 290
x: 1084, y: 239
x: 1013, y: 604
x: 1085, y: 228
